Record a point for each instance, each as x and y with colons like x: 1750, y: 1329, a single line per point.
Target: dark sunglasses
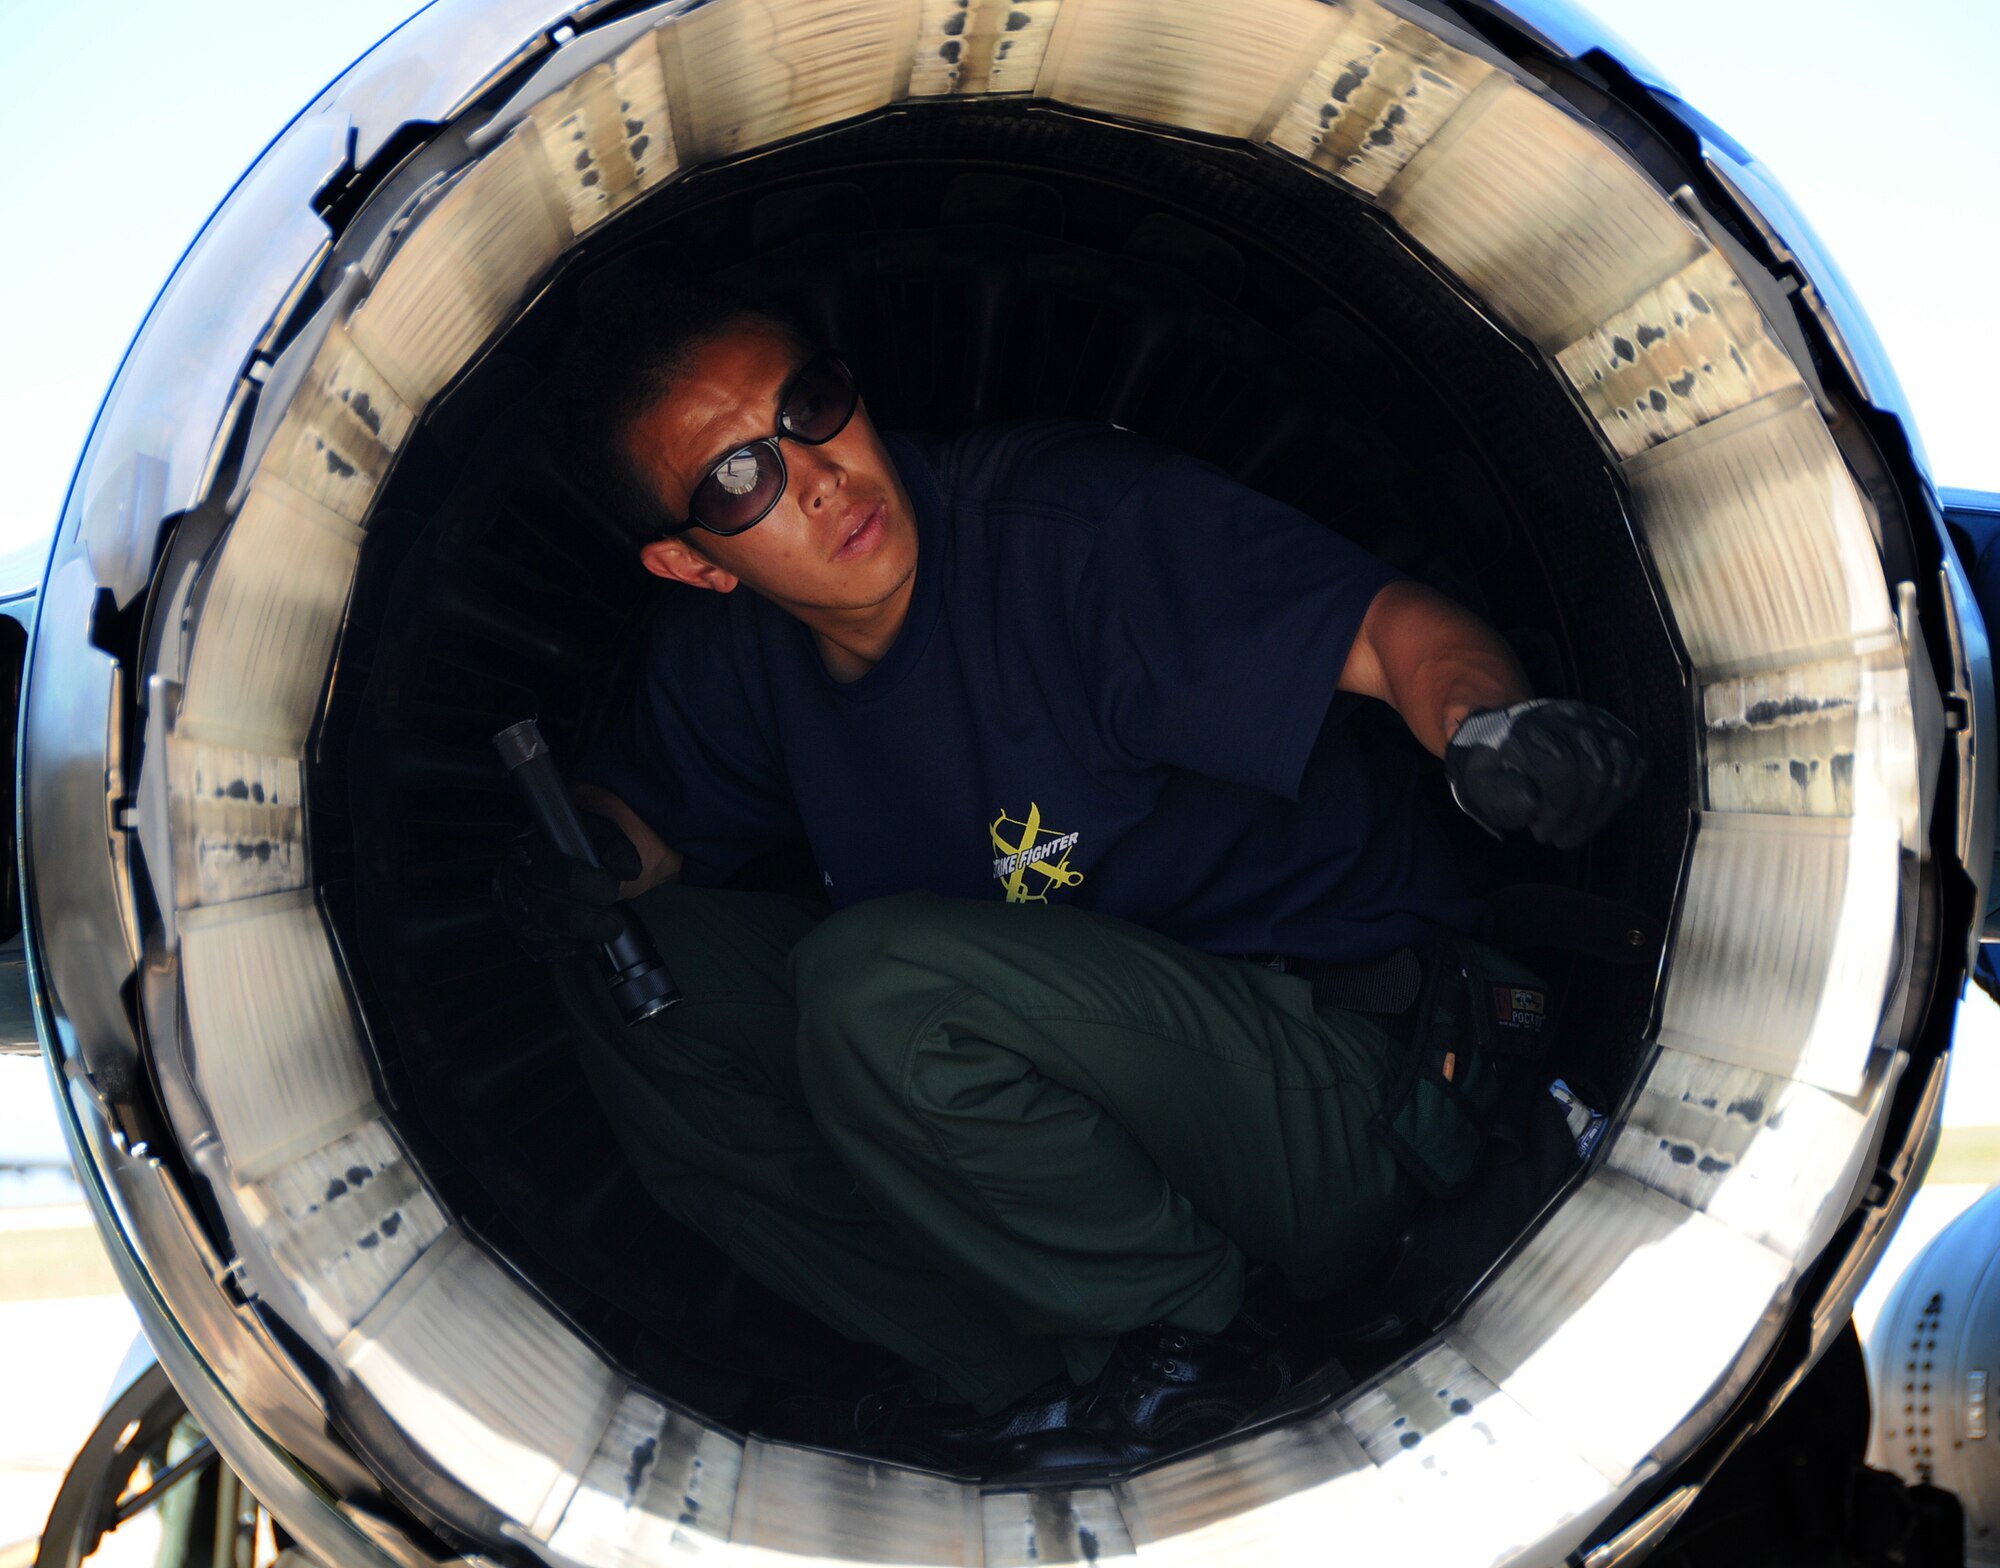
x: 740, y: 490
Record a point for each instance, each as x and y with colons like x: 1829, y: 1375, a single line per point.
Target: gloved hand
x: 556, y: 906
x: 1555, y: 767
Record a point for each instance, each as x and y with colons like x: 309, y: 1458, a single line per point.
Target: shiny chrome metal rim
x: 1788, y: 1001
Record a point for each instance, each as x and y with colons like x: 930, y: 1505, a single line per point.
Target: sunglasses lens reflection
x: 738, y: 490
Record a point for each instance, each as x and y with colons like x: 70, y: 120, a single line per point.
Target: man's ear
x: 678, y: 561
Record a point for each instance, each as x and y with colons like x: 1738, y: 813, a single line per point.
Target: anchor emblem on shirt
x: 1035, y: 860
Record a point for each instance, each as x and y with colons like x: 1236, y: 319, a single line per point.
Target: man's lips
x: 864, y: 535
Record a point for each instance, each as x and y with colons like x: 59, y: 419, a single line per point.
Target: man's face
x: 842, y: 540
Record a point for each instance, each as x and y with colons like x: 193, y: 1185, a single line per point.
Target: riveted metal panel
x: 1218, y: 69
x: 1619, y: 1264
x: 981, y: 46
x: 280, y: 1057
x: 1538, y: 214
x: 462, y: 269
x: 1681, y: 354
x: 485, y: 1379
x: 1382, y: 89
x: 1761, y: 540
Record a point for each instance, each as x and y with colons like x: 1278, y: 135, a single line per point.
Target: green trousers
x: 992, y: 1137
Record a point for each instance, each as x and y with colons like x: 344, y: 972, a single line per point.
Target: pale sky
x: 125, y: 123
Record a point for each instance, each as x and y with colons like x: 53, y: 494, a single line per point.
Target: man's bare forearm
x: 1433, y: 661
x: 658, y: 860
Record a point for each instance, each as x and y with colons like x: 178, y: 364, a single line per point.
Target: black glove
x: 1555, y: 767
x: 556, y: 906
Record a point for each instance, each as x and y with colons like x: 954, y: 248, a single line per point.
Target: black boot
x: 903, y: 1425
x: 1165, y: 1388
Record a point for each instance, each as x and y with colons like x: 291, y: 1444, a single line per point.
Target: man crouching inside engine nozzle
x: 1065, y: 718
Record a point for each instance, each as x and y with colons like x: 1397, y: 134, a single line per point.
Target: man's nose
x: 816, y: 475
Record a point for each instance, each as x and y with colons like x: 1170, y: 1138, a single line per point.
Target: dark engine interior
x: 975, y: 264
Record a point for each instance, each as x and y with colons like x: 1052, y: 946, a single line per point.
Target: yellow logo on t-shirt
x: 1035, y: 860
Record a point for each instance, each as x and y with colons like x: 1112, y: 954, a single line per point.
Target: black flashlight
x: 638, y: 977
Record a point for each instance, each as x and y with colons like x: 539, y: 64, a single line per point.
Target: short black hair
x: 639, y: 328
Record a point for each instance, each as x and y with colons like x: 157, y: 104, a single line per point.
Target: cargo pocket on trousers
x: 1480, y: 1021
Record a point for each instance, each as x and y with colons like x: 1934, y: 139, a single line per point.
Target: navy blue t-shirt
x: 1116, y: 688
